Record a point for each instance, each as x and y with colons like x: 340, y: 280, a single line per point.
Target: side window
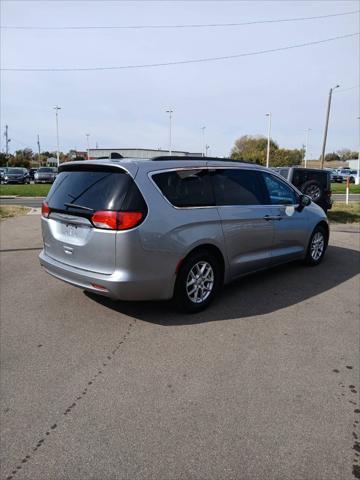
x: 279, y: 192
x: 237, y: 187
x: 186, y: 188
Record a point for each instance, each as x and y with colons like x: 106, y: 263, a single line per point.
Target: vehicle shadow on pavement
x: 254, y: 295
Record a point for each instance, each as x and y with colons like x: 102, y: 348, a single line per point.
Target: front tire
x: 317, y: 246
x: 197, y: 282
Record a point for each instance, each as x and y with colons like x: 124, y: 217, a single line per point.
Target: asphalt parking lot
x: 263, y: 385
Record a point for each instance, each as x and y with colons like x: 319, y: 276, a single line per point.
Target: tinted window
x: 284, y: 172
x: 186, y: 188
x: 302, y: 175
x: 279, y: 192
x: 237, y: 187
x: 96, y: 190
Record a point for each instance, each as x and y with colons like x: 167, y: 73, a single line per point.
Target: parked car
x: 16, y: 175
x: 174, y: 228
x: 45, y: 175
x: 3, y: 171
x: 346, y: 173
x: 314, y: 182
x: 335, y: 177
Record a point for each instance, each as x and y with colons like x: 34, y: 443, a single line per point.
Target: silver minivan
x: 174, y: 227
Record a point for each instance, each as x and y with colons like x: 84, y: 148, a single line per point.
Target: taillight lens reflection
x: 116, y: 220
x: 45, y: 210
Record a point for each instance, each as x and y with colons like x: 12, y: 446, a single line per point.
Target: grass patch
x: 342, y: 213
x: 32, y: 190
x: 7, y: 211
x: 341, y: 188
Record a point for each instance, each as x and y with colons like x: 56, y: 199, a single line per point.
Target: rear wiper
x: 79, y: 206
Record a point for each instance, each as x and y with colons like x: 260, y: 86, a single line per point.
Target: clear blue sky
x: 126, y: 108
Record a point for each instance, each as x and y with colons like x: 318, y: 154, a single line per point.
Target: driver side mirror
x: 304, y: 201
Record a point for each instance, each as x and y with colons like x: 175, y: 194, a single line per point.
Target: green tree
x: 284, y: 157
x: 252, y: 149
x: 332, y: 157
x: 22, y: 158
x: 3, y: 159
x: 346, y: 154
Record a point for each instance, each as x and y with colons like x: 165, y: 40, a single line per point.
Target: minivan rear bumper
x: 120, y: 285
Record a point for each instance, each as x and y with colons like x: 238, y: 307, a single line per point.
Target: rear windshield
x: 94, y: 190
x: 46, y: 170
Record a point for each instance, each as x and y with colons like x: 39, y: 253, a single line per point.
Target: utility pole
x: 206, y: 150
x: 327, y: 125
x: 57, y: 108
x: 170, y: 112
x: 268, y: 141
x: 39, y: 150
x: 7, y: 140
x: 203, y: 141
x: 88, y: 146
x: 306, y: 146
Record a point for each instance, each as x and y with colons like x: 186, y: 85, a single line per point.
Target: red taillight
x: 129, y: 219
x: 45, y: 210
x: 105, y: 219
x: 116, y: 220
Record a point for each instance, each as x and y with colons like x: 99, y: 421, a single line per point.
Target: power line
x: 179, y: 62
x: 148, y: 27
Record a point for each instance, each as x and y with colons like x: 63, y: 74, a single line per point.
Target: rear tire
x: 317, y: 246
x: 197, y: 282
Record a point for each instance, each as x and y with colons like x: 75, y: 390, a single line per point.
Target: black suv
x: 314, y: 182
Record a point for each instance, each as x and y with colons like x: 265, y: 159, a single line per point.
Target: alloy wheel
x: 200, y: 282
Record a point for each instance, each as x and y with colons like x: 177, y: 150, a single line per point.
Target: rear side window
x: 237, y: 187
x: 186, y: 188
x: 100, y: 189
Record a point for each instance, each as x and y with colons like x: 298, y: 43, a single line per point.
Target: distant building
x: 136, y: 153
x: 76, y: 155
x: 51, y: 162
x: 353, y: 163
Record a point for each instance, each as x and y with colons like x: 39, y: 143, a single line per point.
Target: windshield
x: 46, y: 170
x: 15, y: 170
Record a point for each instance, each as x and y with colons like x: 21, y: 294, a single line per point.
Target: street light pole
x: 268, y: 141
x: 203, y: 141
x: 326, y: 126
x: 306, y: 146
x: 7, y: 140
x: 206, y: 150
x: 57, y: 108
x: 88, y: 147
x: 170, y: 112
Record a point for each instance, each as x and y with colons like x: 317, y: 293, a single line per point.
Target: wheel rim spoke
x: 200, y: 282
x: 317, y: 246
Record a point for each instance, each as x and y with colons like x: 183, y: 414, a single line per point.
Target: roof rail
x: 191, y: 157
